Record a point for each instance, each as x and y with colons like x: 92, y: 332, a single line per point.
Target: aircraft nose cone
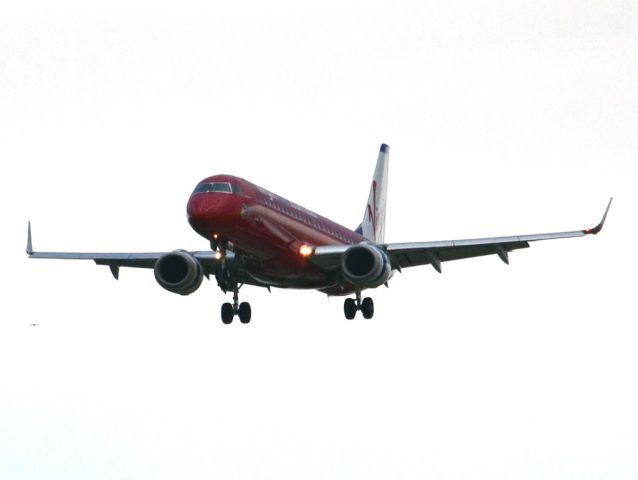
x: 205, y: 207
x: 195, y: 209
x: 211, y: 211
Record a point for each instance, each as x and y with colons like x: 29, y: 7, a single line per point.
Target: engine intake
x: 179, y: 272
x: 366, y: 266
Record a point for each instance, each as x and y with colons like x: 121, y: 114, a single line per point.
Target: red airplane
x: 259, y: 238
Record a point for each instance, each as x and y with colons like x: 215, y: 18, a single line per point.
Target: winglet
x: 29, y: 244
x: 599, y: 227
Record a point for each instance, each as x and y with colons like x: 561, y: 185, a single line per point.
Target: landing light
x: 215, y: 236
x: 218, y: 255
x: 306, y: 250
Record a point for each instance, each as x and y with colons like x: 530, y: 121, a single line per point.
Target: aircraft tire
x: 349, y: 308
x: 244, y: 312
x: 227, y: 313
x: 367, y: 308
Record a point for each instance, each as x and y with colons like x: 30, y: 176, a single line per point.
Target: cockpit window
x: 202, y: 187
x: 218, y: 187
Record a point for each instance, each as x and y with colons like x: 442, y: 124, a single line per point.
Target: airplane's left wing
x: 119, y: 259
x: 404, y: 255
x: 207, y: 258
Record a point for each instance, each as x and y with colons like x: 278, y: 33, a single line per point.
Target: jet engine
x: 179, y: 272
x: 365, y: 266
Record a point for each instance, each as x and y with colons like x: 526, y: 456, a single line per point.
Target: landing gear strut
x: 351, y: 306
x: 242, y: 310
x: 219, y: 247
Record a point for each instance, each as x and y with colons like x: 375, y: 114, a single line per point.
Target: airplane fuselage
x: 268, y: 230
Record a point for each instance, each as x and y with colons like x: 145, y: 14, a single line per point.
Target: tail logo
x: 373, y: 212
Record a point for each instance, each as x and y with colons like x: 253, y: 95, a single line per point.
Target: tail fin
x: 373, y: 225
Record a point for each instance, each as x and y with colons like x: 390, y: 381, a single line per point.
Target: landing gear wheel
x: 367, y: 308
x: 349, y: 308
x: 227, y: 313
x: 244, y: 312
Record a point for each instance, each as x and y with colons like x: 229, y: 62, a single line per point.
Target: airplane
x: 261, y: 239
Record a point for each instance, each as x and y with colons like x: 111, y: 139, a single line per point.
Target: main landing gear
x: 351, y: 306
x: 242, y: 310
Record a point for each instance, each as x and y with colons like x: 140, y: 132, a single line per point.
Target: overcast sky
x: 502, y: 117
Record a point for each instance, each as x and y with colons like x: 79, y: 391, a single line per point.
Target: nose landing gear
x: 351, y: 306
x: 242, y: 310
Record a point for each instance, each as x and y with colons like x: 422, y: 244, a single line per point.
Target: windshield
x: 219, y: 187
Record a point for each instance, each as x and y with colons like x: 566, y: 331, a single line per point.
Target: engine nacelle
x: 179, y: 272
x: 366, y: 266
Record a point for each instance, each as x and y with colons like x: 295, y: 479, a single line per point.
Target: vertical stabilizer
x: 373, y: 225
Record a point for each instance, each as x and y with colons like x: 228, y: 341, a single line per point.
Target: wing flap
x: 104, y: 257
x: 412, y: 257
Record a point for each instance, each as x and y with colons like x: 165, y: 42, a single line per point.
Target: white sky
x: 503, y: 118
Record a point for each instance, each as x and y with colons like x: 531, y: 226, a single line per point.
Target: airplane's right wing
x: 403, y: 255
x: 433, y: 253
